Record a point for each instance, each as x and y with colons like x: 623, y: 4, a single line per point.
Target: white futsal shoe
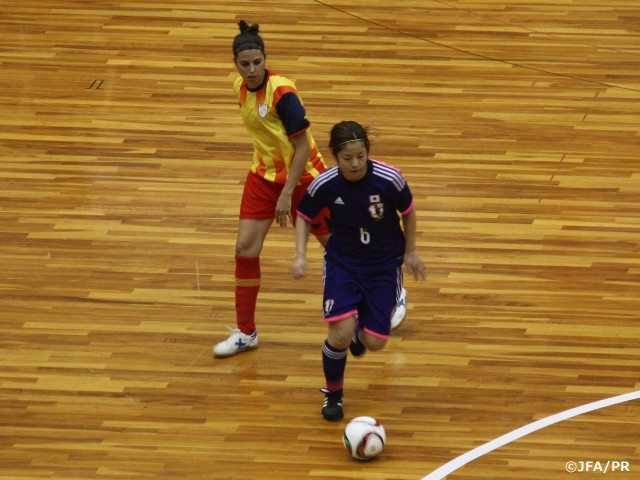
x: 400, y: 311
x: 236, y: 343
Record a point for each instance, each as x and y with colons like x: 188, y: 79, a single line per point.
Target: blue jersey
x: 366, y: 235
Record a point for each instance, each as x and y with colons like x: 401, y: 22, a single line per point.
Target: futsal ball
x: 364, y: 438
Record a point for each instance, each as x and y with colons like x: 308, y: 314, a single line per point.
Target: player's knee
x: 241, y: 249
x: 372, y: 342
x: 248, y: 247
x: 339, y: 340
x: 340, y: 333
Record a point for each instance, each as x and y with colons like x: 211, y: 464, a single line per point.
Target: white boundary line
x: 465, y: 458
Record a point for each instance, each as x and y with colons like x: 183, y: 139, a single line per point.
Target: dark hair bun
x: 247, y: 39
x: 245, y: 27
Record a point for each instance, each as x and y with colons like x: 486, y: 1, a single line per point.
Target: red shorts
x: 259, y: 199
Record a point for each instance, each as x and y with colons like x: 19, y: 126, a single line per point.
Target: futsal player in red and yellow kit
x: 285, y: 161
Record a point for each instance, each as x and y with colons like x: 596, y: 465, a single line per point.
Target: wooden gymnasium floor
x: 517, y: 126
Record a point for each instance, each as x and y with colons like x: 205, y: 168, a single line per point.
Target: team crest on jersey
x: 263, y: 109
x: 328, y: 305
x: 376, y: 207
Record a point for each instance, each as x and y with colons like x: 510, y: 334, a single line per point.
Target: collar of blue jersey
x: 366, y: 174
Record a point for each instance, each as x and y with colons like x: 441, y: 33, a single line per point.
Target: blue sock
x: 334, y: 363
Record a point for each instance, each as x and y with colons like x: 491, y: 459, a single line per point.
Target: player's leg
x: 339, y: 334
x: 373, y: 341
x: 340, y: 300
x: 334, y: 362
x: 257, y: 212
x: 251, y: 235
x: 375, y: 312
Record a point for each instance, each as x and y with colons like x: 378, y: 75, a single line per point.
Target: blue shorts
x: 372, y: 296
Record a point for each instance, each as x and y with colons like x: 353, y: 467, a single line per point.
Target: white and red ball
x: 364, y: 438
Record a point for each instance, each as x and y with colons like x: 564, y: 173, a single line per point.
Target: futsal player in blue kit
x: 364, y: 255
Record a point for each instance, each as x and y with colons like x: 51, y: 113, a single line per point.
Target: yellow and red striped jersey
x: 273, y: 114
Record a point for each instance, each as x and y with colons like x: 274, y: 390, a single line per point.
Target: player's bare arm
x: 303, y: 228
x: 412, y: 259
x: 300, y: 158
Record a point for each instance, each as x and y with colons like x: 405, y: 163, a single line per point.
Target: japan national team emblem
x: 376, y: 207
x: 263, y: 109
x: 328, y: 306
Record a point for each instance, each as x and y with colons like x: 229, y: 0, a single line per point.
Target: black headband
x: 248, y: 46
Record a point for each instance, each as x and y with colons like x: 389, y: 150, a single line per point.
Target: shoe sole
x: 336, y: 419
x: 397, y: 325
x: 393, y: 327
x: 227, y: 355
x: 333, y: 418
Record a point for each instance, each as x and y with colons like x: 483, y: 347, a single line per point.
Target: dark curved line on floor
x: 475, y: 54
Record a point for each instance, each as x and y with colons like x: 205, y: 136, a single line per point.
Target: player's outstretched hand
x: 414, y: 265
x: 299, y: 268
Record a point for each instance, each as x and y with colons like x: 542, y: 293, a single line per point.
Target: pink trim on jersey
x: 310, y: 220
x: 342, y: 316
x: 408, y: 209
